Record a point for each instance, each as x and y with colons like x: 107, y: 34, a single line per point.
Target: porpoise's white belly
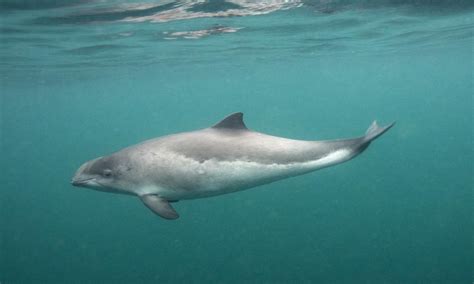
x: 190, y: 179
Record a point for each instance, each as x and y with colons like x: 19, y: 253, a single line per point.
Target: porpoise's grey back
x: 231, y: 140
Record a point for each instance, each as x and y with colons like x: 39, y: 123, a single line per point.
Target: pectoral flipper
x: 159, y: 206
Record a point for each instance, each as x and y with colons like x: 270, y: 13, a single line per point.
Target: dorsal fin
x: 233, y: 121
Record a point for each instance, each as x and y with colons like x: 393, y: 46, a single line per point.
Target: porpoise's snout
x: 80, y: 182
x: 80, y: 178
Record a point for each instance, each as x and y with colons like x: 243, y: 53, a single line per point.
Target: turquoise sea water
x: 80, y: 79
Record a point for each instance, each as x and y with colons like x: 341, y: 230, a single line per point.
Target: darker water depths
x: 80, y: 79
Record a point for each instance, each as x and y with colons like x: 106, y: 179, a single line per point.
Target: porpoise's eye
x: 107, y: 173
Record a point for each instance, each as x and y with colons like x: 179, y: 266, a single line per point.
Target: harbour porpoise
x: 224, y: 158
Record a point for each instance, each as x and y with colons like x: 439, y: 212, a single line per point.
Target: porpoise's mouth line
x: 80, y: 182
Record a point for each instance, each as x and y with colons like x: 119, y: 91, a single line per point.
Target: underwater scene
x: 250, y: 86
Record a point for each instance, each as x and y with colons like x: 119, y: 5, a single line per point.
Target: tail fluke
x: 375, y: 131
